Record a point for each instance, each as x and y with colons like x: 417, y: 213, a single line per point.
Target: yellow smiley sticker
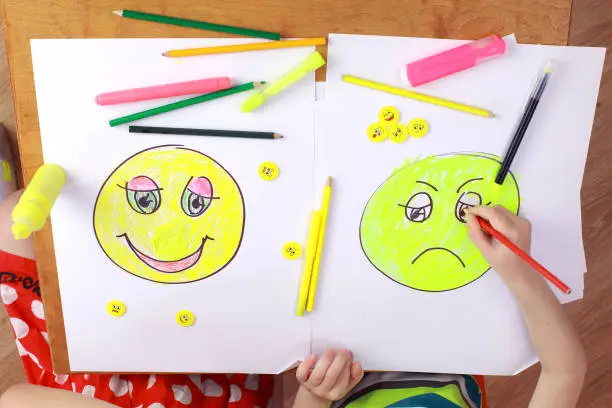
x: 170, y: 214
x: 377, y: 132
x: 185, y: 318
x: 268, y: 171
x: 398, y: 133
x: 292, y: 250
x: 116, y: 308
x: 418, y: 127
x: 389, y: 115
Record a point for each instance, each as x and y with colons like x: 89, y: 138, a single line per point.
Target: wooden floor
x: 591, y: 26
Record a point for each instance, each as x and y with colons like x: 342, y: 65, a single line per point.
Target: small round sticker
x: 185, y: 318
x: 268, y: 171
x: 292, y: 250
x: 116, y: 308
x: 377, y: 132
x: 418, y: 127
x: 389, y: 115
x: 398, y: 133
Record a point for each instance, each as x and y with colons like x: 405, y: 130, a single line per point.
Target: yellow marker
x: 35, y: 204
x: 311, y: 250
x: 417, y: 96
x: 190, y: 52
x: 258, y: 98
x: 317, y: 261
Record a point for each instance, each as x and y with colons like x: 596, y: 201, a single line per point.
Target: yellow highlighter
x: 311, y: 251
x: 314, y: 276
x: 258, y: 98
x: 35, y: 204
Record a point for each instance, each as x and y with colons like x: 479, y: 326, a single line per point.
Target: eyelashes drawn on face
x: 144, y: 195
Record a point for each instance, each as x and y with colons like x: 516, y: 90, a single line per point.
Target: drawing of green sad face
x: 413, y: 227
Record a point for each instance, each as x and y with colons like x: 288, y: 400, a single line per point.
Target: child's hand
x: 333, y: 376
x: 515, y: 228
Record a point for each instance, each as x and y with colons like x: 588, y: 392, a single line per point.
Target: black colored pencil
x: 521, y: 129
x: 204, y: 132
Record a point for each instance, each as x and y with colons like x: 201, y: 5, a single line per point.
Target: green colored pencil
x: 184, y: 103
x: 202, y: 25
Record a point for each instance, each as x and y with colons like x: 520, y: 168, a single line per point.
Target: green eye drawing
x: 143, y: 195
x: 197, y: 196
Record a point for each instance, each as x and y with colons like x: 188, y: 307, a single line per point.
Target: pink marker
x: 200, y: 86
x: 454, y: 60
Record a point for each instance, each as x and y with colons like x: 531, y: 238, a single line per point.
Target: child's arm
x: 333, y: 376
x: 561, y: 354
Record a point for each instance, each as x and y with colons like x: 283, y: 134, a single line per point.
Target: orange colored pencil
x: 524, y: 256
x: 258, y: 46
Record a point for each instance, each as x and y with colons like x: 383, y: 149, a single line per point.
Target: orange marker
x: 524, y: 256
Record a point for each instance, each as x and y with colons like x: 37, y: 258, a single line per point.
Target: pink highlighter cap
x: 200, y: 86
x: 454, y: 60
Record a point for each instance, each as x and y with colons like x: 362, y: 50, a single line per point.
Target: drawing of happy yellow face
x: 170, y: 214
x: 413, y: 227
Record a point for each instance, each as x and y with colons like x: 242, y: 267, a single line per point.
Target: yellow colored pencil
x: 417, y: 96
x: 314, y: 276
x: 311, y: 251
x: 190, y: 52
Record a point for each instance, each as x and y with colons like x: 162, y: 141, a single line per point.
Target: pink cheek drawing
x: 142, y: 183
x: 201, y: 186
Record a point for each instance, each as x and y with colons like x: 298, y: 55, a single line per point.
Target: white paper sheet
x: 244, y: 314
x: 476, y: 328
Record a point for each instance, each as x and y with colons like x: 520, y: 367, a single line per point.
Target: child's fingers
x: 498, y: 216
x: 341, y: 387
x: 356, y: 374
x: 335, y: 370
x: 318, y: 374
x: 303, y: 370
x: 476, y: 234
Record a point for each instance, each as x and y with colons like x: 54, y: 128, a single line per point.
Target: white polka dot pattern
x: 21, y: 328
x: 38, y: 310
x: 212, y: 389
x: 118, y: 386
x: 182, y: 394
x: 235, y: 393
x: 9, y: 295
x: 252, y: 382
x: 89, y: 391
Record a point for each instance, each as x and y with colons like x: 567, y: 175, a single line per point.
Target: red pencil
x: 532, y: 262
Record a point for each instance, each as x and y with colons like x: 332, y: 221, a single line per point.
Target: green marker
x: 184, y: 103
x: 311, y: 63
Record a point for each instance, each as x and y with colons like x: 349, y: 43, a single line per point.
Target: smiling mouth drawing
x: 439, y: 249
x: 167, y: 266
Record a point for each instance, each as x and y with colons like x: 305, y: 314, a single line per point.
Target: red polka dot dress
x: 20, y: 291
